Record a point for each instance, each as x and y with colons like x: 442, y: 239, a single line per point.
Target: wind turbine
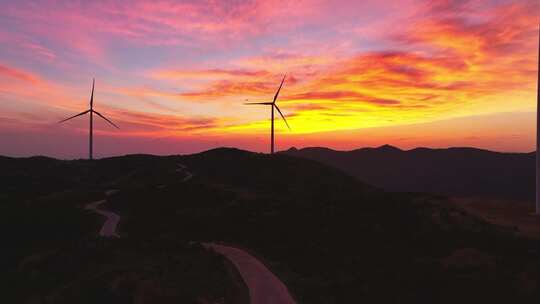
x: 538, y: 131
x: 272, y: 106
x: 92, y: 112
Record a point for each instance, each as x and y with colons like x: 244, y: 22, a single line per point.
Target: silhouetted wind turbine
x: 272, y: 105
x: 91, y: 111
x: 538, y: 131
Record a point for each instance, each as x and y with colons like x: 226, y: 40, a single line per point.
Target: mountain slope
x: 327, y: 236
x: 453, y: 171
x: 332, y: 239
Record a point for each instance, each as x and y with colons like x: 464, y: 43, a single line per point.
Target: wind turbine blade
x: 105, y: 119
x: 82, y: 113
x: 279, y: 89
x: 282, y: 117
x: 257, y: 103
x: 92, y: 95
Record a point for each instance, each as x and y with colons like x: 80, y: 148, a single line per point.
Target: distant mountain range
x: 452, y: 171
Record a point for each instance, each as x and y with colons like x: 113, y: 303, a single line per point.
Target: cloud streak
x: 14, y: 73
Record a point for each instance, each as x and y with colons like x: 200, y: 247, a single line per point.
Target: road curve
x: 264, y: 287
x: 109, y: 227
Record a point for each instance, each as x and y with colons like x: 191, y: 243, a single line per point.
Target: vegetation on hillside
x: 330, y: 238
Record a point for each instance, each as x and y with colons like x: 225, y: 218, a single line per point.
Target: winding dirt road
x: 109, y: 227
x: 264, y: 287
x: 112, y: 219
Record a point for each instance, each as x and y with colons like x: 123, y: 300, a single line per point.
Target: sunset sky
x: 174, y: 74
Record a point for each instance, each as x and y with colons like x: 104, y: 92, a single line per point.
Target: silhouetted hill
x: 453, y: 171
x: 329, y: 237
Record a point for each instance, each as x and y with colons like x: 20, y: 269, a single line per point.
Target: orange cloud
x: 348, y: 96
x: 454, y: 67
x: 227, y: 88
x: 163, y: 124
x: 238, y: 87
x: 210, y: 73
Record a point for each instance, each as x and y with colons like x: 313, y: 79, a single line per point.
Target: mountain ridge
x: 391, y: 147
x: 457, y: 171
x: 387, y: 147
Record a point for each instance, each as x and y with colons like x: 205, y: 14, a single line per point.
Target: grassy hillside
x: 330, y: 238
x: 52, y: 253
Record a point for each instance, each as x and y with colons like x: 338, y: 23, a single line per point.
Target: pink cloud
x: 18, y: 74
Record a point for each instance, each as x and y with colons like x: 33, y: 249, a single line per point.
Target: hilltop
x: 328, y: 236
